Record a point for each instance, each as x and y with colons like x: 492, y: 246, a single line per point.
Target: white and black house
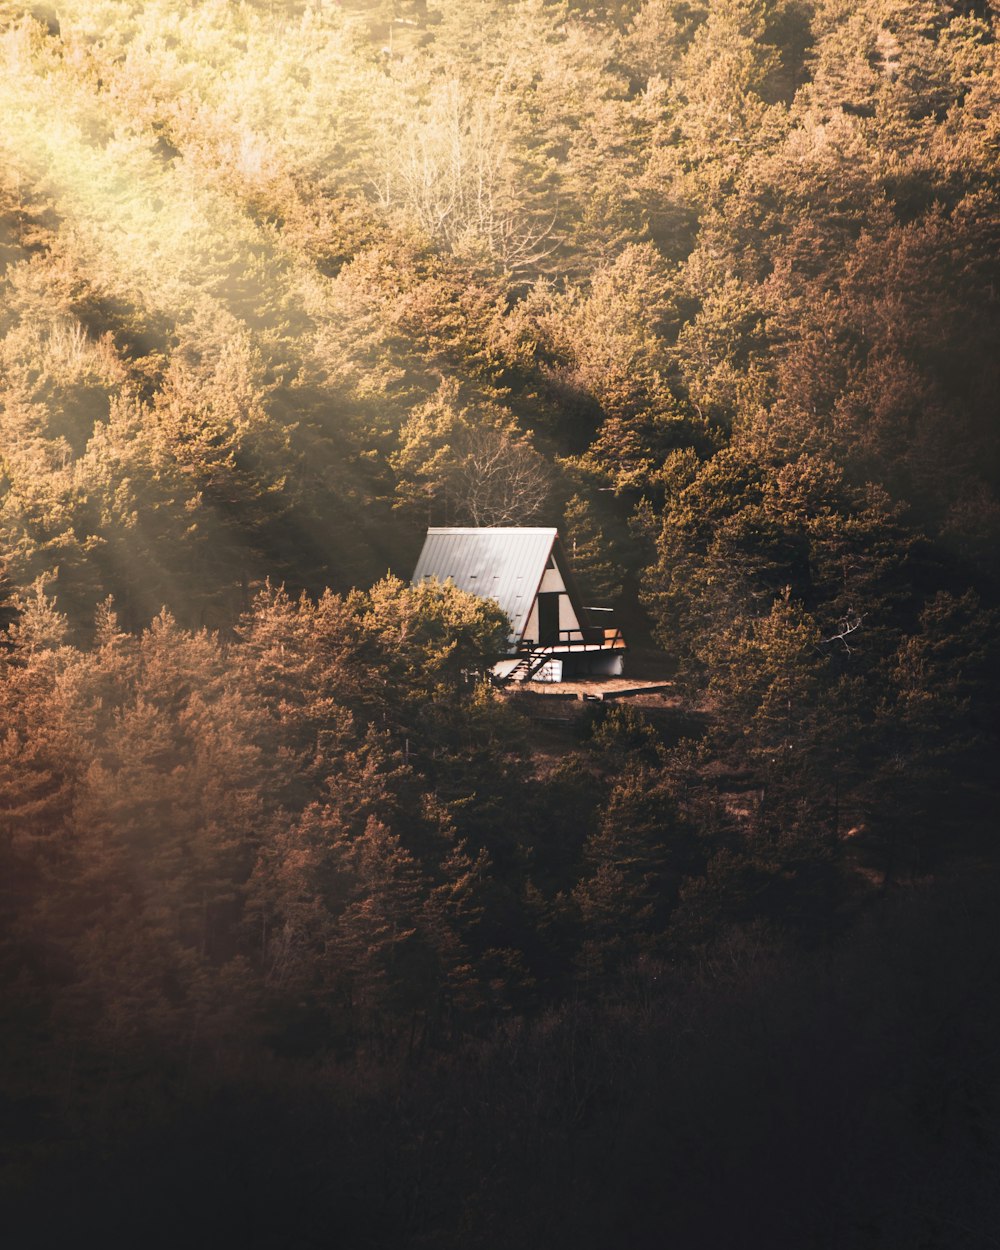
x: 525, y: 570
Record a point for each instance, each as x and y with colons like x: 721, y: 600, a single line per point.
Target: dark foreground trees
x: 837, y: 1102
x: 293, y: 900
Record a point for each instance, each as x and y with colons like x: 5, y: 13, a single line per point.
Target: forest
x: 310, y: 936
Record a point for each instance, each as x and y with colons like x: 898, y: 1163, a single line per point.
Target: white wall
x: 552, y: 582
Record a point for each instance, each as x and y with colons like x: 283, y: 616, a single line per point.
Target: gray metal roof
x: 501, y: 564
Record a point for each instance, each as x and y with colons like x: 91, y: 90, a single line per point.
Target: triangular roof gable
x: 572, y: 590
x: 505, y: 564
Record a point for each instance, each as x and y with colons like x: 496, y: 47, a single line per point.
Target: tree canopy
x: 712, y: 286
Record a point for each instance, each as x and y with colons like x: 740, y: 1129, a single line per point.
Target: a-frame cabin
x: 553, y: 635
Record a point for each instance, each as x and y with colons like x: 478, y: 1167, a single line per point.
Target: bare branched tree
x: 501, y: 480
x: 453, y: 172
x: 469, y: 464
x: 848, y: 626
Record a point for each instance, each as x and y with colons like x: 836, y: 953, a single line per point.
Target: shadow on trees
x: 843, y: 1100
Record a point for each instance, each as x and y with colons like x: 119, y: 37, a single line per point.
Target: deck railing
x: 575, y: 639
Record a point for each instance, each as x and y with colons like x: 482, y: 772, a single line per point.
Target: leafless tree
x: 848, y: 626
x: 501, y: 480
x: 453, y: 171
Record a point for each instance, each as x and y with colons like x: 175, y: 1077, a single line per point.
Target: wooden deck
x: 598, y: 689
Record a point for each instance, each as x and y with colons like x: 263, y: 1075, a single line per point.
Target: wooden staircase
x: 527, y: 665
